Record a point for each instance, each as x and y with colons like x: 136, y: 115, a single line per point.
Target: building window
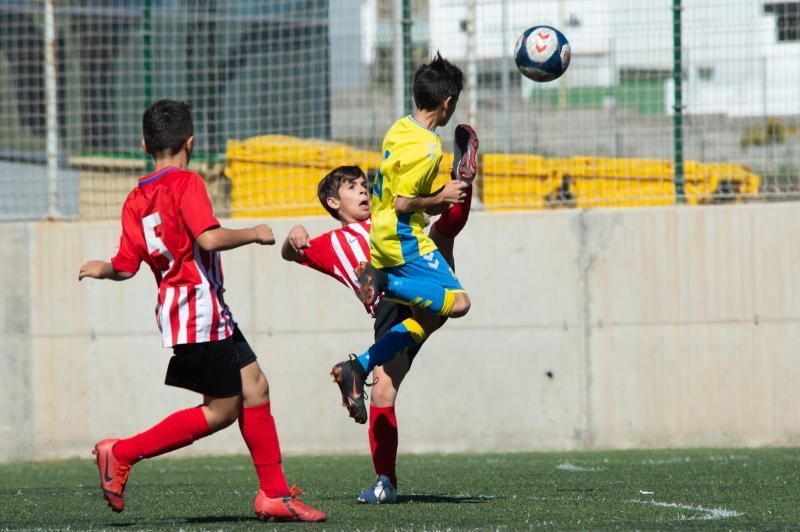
x: 705, y: 73
x: 787, y: 19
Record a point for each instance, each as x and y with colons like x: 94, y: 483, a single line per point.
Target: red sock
x: 258, y: 430
x: 178, y: 430
x: 383, y: 440
x: 453, y: 220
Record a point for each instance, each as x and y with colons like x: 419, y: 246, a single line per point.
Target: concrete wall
x: 597, y: 329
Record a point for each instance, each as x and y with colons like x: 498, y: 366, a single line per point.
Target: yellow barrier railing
x: 275, y: 175
x: 525, y: 182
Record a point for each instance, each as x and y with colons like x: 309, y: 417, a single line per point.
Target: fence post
x: 505, y: 78
x: 51, y: 99
x: 147, y: 57
x: 677, y: 117
x: 472, y: 67
x: 408, y: 67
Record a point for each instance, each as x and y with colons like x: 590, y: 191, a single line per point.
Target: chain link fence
x: 283, y: 90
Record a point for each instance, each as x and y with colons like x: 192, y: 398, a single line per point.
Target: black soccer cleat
x: 350, y: 377
x: 465, y: 154
x: 373, y: 282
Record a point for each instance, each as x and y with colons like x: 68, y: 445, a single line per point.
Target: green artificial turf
x: 665, y: 489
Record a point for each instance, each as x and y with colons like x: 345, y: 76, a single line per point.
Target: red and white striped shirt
x: 161, y: 219
x: 338, y: 252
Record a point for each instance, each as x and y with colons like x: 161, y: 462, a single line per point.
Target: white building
x: 740, y: 57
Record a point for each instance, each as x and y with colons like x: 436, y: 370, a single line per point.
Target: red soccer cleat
x: 288, y: 508
x: 113, y: 474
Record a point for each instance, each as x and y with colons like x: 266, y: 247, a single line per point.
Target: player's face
x: 353, y: 201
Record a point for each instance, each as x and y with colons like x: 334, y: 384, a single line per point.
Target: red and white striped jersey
x: 161, y: 218
x: 338, y: 252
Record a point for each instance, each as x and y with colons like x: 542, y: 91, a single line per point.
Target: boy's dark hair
x: 435, y: 82
x: 166, y: 125
x: 329, y: 185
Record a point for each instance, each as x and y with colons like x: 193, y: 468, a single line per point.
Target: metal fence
x: 322, y: 81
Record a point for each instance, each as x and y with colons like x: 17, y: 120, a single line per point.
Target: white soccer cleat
x: 382, y: 492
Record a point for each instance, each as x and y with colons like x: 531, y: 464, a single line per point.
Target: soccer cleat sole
x: 466, y: 167
x: 267, y: 518
x: 369, y: 289
x: 302, y: 514
x: 367, y: 294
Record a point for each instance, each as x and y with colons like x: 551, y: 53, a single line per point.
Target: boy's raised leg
x: 351, y: 375
x: 114, y: 457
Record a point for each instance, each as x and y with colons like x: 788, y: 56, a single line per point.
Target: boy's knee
x: 255, y: 388
x: 383, y: 394
x: 461, y: 306
x: 256, y: 391
x: 262, y: 386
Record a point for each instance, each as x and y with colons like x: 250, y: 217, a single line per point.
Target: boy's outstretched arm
x: 436, y: 203
x: 221, y: 238
x: 98, y: 269
x: 296, y: 241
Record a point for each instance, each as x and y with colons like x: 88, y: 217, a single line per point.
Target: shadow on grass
x: 444, y: 499
x: 232, y: 519
x: 222, y: 519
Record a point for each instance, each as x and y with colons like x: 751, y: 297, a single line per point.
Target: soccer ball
x: 542, y: 53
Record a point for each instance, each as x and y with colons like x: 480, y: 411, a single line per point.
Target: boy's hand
x: 264, y: 235
x: 436, y: 203
x: 298, y: 239
x: 453, y: 192
x: 93, y: 269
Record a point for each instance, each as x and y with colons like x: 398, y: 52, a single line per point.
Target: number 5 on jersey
x: 155, y: 246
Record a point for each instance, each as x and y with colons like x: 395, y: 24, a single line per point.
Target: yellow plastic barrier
x: 276, y: 175
x: 525, y: 182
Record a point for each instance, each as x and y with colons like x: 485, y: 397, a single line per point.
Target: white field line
x: 726, y: 458
x: 673, y: 460
x: 578, y: 469
x: 709, y: 514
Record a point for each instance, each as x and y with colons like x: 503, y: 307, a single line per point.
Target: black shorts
x: 387, y: 315
x: 211, y: 368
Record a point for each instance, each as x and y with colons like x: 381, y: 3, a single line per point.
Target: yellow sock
x: 415, y: 330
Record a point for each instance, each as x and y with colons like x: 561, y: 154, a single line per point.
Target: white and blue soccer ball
x: 542, y: 53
